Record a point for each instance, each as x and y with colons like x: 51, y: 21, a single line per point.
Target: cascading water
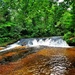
x: 35, y: 42
x: 50, y: 42
x: 41, y: 60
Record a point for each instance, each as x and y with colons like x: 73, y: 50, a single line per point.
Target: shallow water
x: 38, y: 61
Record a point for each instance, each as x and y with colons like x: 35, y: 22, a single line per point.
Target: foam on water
x: 52, y: 42
x: 35, y: 42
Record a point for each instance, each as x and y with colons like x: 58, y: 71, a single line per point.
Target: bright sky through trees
x: 60, y: 1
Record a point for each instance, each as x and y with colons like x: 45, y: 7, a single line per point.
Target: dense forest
x: 37, y: 18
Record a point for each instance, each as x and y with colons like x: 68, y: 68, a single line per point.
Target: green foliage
x: 36, y: 18
x: 66, y: 20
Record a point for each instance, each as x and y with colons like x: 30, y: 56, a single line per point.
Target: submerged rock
x: 45, y: 61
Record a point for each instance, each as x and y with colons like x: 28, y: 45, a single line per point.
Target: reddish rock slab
x: 1, y: 48
x: 47, y: 61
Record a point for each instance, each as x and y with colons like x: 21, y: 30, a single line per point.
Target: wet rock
x: 1, y: 48
x: 45, y: 61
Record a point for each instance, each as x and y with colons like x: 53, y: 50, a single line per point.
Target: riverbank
x: 7, y: 43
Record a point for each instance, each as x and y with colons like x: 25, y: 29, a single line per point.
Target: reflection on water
x: 59, y: 65
x: 44, y: 61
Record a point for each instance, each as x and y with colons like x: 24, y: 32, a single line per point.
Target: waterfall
x: 37, y: 42
x: 50, y: 42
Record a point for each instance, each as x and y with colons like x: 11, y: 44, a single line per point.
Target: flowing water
x: 50, y: 42
x: 41, y: 56
x: 36, y: 42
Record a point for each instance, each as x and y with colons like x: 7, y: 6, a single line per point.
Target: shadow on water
x: 18, y: 55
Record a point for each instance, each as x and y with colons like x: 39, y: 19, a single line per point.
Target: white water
x: 50, y: 42
x: 10, y: 47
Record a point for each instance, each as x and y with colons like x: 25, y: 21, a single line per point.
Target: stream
x: 38, y: 56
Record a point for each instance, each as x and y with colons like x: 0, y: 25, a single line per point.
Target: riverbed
x: 38, y: 61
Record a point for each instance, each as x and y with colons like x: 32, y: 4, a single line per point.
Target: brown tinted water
x: 32, y: 61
